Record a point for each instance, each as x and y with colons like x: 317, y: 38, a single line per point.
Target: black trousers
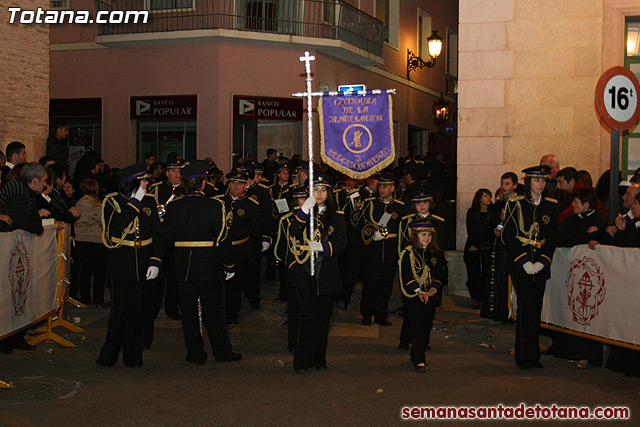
x: 477, y: 264
x: 235, y: 286
x: 92, y: 262
x: 126, y: 324
x: 530, y: 291
x: 350, y: 266
x: 420, y: 317
x: 313, y: 328
x: 211, y: 294
x: 252, y: 288
x: 377, y: 288
x: 293, y: 312
x: 171, y: 308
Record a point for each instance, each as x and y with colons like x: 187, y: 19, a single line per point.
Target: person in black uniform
x: 353, y: 261
x: 421, y: 203
x: 284, y: 255
x: 530, y: 232
x: 422, y: 273
x: 279, y: 191
x: 196, y: 226
x: 316, y: 293
x: 378, y: 224
x: 130, y: 226
x: 246, y: 233
x: 166, y: 192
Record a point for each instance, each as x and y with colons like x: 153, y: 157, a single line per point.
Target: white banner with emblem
x: 28, y: 277
x: 595, y: 292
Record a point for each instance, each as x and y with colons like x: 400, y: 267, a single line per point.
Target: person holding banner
x: 422, y: 273
x: 316, y: 294
x: 530, y: 231
x: 129, y: 222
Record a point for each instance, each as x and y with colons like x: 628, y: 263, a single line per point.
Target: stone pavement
x: 368, y: 381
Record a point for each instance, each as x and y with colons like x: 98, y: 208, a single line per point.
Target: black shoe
x: 197, y: 360
x: 134, y: 364
x: 524, y: 364
x: 549, y: 351
x: 536, y: 364
x: 175, y: 316
x: 321, y: 367
x: 383, y: 322
x: 232, y: 321
x: 428, y: 347
x: 103, y: 362
x: 255, y: 305
x: 229, y: 357
x: 403, y: 346
x: 5, y: 349
x: 366, y: 321
x: 421, y: 369
x: 21, y: 344
x: 300, y: 371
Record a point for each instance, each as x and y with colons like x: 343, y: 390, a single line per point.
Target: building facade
x: 214, y: 78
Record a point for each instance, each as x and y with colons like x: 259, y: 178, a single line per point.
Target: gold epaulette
x: 369, y: 198
x: 263, y: 186
x: 439, y: 218
x: 208, y: 183
x: 399, y: 201
x: 111, y: 194
x: 155, y: 184
x: 254, y: 201
x: 549, y: 199
x: 408, y: 216
x: 516, y: 198
x: 218, y: 197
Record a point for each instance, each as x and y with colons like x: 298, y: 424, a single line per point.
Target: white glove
x: 377, y: 236
x: 538, y: 266
x: 152, y: 272
x: 308, y: 204
x: 265, y: 246
x: 529, y: 268
x: 228, y: 276
x: 139, y: 194
x: 315, y: 246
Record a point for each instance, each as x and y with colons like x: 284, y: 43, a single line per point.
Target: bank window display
x: 260, y: 123
x: 164, y: 137
x: 631, y: 138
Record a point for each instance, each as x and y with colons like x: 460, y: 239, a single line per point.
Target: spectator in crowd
x: 621, y: 223
x: 602, y: 187
x: 19, y: 197
x: 414, y: 176
x: 57, y: 146
x: 584, y: 225
x: 553, y: 162
x: 156, y: 170
x: 569, y: 181
x: 53, y: 204
x: 16, y: 154
x: 477, y: 247
x: 269, y: 165
x: 149, y: 159
x: 3, y: 160
x: 585, y: 177
x: 47, y: 161
x: 84, y: 166
x: 91, y: 251
x: 69, y: 193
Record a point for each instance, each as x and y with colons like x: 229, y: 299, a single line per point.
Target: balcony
x: 332, y: 27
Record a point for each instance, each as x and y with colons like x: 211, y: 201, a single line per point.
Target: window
x: 452, y: 52
x: 59, y: 4
x: 329, y: 12
x: 631, y: 137
x: 165, y: 5
x: 424, y: 32
x: 388, y: 11
x: 163, y: 137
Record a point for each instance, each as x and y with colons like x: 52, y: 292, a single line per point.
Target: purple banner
x: 356, y: 133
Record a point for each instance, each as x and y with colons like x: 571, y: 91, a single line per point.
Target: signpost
x: 616, y: 100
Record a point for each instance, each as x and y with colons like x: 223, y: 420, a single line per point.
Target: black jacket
x: 20, y: 202
x: 573, y: 230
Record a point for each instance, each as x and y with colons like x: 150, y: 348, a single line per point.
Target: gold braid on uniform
x: 300, y: 254
x: 131, y: 228
x: 532, y: 233
x: 422, y: 277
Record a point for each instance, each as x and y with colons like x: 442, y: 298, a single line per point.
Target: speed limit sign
x: 617, y: 94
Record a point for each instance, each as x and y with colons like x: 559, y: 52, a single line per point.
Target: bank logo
x: 246, y: 107
x: 143, y: 108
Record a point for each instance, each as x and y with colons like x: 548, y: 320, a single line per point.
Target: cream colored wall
x: 528, y: 71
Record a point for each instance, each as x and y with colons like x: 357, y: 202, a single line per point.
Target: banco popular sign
x: 266, y: 108
x: 164, y: 107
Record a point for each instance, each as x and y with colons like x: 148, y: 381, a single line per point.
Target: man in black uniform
x: 379, y: 222
x: 353, y: 260
x: 246, y: 233
x: 280, y: 196
x: 196, y: 226
x: 166, y: 192
x: 130, y: 226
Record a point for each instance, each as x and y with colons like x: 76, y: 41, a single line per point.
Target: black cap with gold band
x: 137, y: 171
x: 541, y: 171
x: 387, y: 178
x: 422, y: 225
x: 323, y: 180
x: 238, y: 176
x: 195, y: 169
x: 421, y: 196
x: 178, y: 164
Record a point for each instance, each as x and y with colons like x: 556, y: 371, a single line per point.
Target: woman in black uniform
x: 530, y: 231
x: 422, y: 272
x: 316, y: 294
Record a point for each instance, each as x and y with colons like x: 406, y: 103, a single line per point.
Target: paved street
x: 368, y: 381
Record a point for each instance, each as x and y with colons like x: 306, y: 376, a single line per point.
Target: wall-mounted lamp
x: 435, y: 47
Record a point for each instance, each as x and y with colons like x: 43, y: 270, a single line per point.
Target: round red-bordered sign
x: 617, y: 93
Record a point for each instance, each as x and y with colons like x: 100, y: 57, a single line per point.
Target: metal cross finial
x: 307, y: 59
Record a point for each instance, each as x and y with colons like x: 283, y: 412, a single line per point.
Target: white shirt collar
x: 10, y: 165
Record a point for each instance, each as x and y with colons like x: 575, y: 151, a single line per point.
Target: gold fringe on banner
x: 357, y: 175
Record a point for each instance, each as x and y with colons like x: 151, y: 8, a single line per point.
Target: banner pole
x: 307, y: 62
